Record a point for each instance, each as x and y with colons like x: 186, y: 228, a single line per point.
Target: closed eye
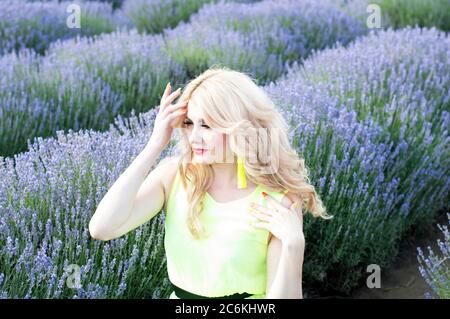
x: 188, y: 122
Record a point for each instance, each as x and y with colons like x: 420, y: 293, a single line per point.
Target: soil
x: 402, y: 280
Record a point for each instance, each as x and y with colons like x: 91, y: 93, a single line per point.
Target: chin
x: 197, y: 158
x: 201, y: 159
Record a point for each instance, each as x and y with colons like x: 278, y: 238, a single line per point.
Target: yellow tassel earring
x: 241, y: 180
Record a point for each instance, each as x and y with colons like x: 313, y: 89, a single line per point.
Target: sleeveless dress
x: 231, y: 260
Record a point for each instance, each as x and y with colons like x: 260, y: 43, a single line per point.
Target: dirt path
x: 402, y: 279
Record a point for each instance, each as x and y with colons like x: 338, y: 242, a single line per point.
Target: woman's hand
x: 168, y: 117
x: 284, y: 223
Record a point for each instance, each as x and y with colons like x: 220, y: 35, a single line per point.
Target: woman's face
x: 207, y: 144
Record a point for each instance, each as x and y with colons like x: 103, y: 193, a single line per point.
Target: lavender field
x: 368, y: 109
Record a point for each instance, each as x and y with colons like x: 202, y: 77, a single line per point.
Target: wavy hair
x: 231, y: 102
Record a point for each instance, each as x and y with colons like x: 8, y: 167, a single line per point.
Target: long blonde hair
x: 231, y: 101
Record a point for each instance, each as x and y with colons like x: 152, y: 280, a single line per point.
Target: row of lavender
x: 36, y: 24
x: 435, y: 265
x: 424, y: 13
x: 372, y: 120
x: 85, y: 82
x: 394, y: 172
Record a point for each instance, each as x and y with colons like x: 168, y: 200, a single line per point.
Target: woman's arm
x: 285, y: 265
x: 130, y: 202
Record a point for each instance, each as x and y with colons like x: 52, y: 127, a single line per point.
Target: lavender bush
x: 36, y: 24
x: 424, y: 13
x: 401, y: 13
x: 403, y: 86
x: 153, y: 16
x: 388, y: 176
x: 46, y: 198
x: 435, y: 269
x: 86, y: 82
x: 83, y: 82
x: 261, y: 38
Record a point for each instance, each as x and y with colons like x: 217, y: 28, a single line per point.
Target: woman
x: 234, y: 224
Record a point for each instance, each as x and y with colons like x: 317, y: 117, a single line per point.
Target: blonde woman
x: 234, y: 216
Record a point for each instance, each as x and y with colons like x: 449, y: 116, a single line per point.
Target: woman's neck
x: 225, y: 173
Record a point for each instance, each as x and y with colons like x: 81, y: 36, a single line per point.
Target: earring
x: 241, y: 180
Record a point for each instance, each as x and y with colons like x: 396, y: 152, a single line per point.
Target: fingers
x: 168, y: 100
x: 171, y: 108
x: 267, y: 210
x: 273, y: 203
x: 260, y: 215
x: 166, y: 93
x: 172, y: 116
x: 258, y: 209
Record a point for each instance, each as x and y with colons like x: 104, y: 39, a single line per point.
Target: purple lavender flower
x: 58, y: 174
x: 82, y: 82
x: 360, y: 101
x: 435, y: 269
x: 36, y: 24
x: 269, y: 33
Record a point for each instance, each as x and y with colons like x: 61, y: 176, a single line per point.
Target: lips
x: 199, y: 151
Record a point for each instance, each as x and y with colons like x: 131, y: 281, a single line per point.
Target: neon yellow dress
x: 231, y: 260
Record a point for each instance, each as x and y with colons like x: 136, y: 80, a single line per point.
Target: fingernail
x: 264, y: 194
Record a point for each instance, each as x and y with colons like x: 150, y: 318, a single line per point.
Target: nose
x: 195, y: 137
